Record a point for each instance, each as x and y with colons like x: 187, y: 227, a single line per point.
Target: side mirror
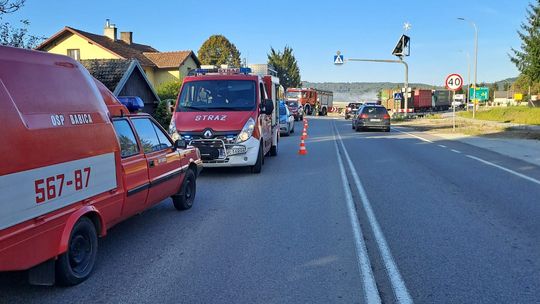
x: 180, y: 144
x: 267, y: 107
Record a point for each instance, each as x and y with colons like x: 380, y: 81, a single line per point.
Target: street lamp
x: 468, y: 77
x: 475, y: 61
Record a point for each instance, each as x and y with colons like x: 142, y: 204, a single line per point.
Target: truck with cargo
x: 229, y: 115
x: 314, y: 101
x: 76, y: 162
x: 422, y: 100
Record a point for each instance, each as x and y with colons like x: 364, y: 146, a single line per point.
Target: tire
x: 77, y: 263
x: 324, y: 112
x: 184, y: 200
x: 387, y: 129
x: 257, y: 168
x: 353, y: 127
x: 274, y: 149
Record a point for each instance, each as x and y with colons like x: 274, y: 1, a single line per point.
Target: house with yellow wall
x: 159, y: 67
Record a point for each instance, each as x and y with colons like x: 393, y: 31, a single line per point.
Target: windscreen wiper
x: 194, y: 108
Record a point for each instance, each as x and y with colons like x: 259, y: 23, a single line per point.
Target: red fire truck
x: 314, y: 101
x: 229, y: 115
x: 76, y: 163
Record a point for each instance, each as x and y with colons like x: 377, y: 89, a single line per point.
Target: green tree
x: 492, y: 88
x: 163, y: 113
x: 169, y: 89
x: 218, y: 50
x: 286, y: 66
x: 527, y: 59
x: 12, y: 35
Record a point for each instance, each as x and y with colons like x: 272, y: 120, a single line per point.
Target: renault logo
x: 208, y: 134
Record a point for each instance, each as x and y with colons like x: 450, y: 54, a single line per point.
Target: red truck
x: 314, y: 101
x: 229, y: 115
x: 76, y: 163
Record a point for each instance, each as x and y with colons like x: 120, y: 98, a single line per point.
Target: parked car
x: 373, y: 117
x: 77, y: 163
x: 351, y: 106
x: 296, y: 109
x: 286, y: 120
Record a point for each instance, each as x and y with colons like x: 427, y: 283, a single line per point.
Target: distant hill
x: 355, y: 91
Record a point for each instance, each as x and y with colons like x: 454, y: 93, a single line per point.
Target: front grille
x: 210, y: 148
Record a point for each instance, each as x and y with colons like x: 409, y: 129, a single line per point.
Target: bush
x: 169, y: 89
x: 163, y: 113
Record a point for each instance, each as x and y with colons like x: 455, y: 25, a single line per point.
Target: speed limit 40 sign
x: 454, y: 82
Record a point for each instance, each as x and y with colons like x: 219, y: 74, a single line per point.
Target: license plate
x: 238, y: 150
x: 375, y: 119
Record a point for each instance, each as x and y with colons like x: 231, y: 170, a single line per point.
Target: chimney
x: 127, y: 37
x: 110, y: 30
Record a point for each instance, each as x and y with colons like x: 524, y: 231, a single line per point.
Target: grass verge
x: 518, y: 115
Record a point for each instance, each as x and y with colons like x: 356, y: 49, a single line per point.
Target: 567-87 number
x: 53, y: 186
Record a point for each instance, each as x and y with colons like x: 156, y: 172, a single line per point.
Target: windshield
x: 374, y: 110
x: 292, y: 104
x: 217, y: 95
x: 293, y: 95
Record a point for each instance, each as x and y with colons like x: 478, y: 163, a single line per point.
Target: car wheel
x: 387, y: 129
x: 184, y: 200
x: 257, y: 168
x: 77, y: 263
x: 274, y: 149
x: 353, y: 127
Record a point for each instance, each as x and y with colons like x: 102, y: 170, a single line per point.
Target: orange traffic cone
x: 302, y: 150
x: 304, y: 134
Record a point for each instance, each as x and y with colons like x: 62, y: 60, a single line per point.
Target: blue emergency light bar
x: 132, y: 103
x: 227, y: 71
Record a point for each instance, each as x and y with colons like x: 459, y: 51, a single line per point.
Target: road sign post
x: 454, y: 82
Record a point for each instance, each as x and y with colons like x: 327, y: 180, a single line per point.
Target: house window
x: 74, y: 53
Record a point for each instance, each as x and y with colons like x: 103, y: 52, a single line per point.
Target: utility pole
x: 475, y: 61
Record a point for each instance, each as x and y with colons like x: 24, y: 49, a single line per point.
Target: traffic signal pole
x: 406, y: 84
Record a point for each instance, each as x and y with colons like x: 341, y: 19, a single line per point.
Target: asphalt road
x: 418, y: 218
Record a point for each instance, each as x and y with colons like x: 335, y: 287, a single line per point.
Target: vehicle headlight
x: 247, y: 131
x: 172, y: 130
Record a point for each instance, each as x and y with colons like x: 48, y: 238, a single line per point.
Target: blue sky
x: 314, y: 29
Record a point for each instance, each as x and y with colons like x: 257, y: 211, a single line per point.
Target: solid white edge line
x: 398, y: 285
x: 410, y: 134
x: 505, y: 169
x: 371, y: 292
x: 455, y: 151
x: 442, y: 146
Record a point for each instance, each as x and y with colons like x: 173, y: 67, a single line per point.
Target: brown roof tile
x: 145, y: 54
x: 118, y: 47
x: 169, y: 59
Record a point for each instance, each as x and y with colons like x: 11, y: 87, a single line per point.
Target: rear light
x: 363, y: 116
x: 386, y: 116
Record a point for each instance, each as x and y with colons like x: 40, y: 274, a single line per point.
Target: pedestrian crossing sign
x: 338, y: 59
